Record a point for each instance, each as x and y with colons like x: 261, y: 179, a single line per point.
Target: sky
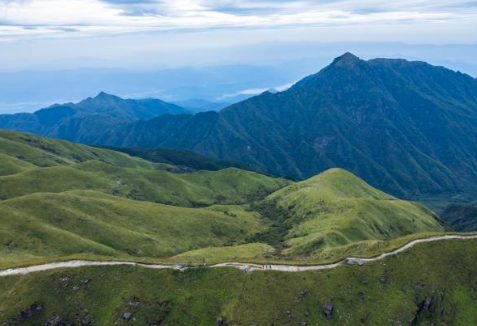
x: 72, y: 33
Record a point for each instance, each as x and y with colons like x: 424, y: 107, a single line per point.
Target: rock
x: 327, y: 310
x: 426, y: 304
x: 2, y: 310
x: 385, y: 277
x: 163, y: 304
x: 304, y: 323
x: 420, y: 285
x: 220, y: 321
x: 134, y: 302
x: 55, y: 321
x: 127, y: 316
x: 303, y: 292
x: 158, y: 322
x: 31, y: 310
x: 306, y: 313
x: 87, y: 321
x: 76, y: 288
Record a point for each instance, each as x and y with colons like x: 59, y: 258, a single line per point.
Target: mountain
x: 408, y: 128
x: 201, y: 105
x: 88, y: 118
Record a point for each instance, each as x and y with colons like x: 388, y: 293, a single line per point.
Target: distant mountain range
x: 408, y: 128
x: 87, y: 120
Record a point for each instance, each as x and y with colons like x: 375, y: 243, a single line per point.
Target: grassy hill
x: 66, y: 199
x: 59, y: 199
x: 55, y: 225
x: 24, y: 152
x: 417, y: 287
x: 336, y: 209
x: 230, y: 186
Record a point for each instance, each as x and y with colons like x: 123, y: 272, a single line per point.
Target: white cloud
x: 86, y: 18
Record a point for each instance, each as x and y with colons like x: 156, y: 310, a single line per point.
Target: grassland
x: 336, y: 210
x: 416, y: 287
x: 24, y: 152
x: 59, y: 199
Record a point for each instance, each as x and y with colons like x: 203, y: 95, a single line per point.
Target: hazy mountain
x: 88, y: 118
x: 200, y: 105
x: 407, y: 127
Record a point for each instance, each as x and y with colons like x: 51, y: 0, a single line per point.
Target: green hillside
x: 417, y: 287
x: 336, y: 209
x: 23, y: 152
x: 55, y: 225
x: 61, y: 199
x: 230, y: 186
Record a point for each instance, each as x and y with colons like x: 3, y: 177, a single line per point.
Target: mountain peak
x: 104, y: 95
x: 346, y: 60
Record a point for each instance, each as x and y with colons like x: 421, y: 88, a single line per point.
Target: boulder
x: 127, y: 316
x: 55, y: 321
x: 34, y: 308
x: 327, y: 309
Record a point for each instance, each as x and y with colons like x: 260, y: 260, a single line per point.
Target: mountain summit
x: 348, y: 60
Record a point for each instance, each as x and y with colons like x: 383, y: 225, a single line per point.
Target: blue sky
x: 36, y: 33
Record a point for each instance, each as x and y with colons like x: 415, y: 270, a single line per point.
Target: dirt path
x: 242, y: 266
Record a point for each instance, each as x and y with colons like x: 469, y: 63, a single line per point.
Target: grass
x: 37, y: 152
x: 336, y: 209
x: 388, y: 292
x: 241, y: 253
x: 203, y: 188
x: 59, y: 199
x: 99, y: 224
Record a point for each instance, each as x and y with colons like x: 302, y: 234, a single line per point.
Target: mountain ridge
x: 383, y: 119
x: 86, y: 120
x: 406, y: 127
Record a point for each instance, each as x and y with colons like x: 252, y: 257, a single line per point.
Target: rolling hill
x: 408, y: 128
x: 67, y: 199
x: 335, y: 210
x: 58, y: 198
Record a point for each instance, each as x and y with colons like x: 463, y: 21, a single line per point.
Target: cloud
x: 57, y: 18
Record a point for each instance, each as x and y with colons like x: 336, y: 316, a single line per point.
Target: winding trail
x: 242, y: 266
